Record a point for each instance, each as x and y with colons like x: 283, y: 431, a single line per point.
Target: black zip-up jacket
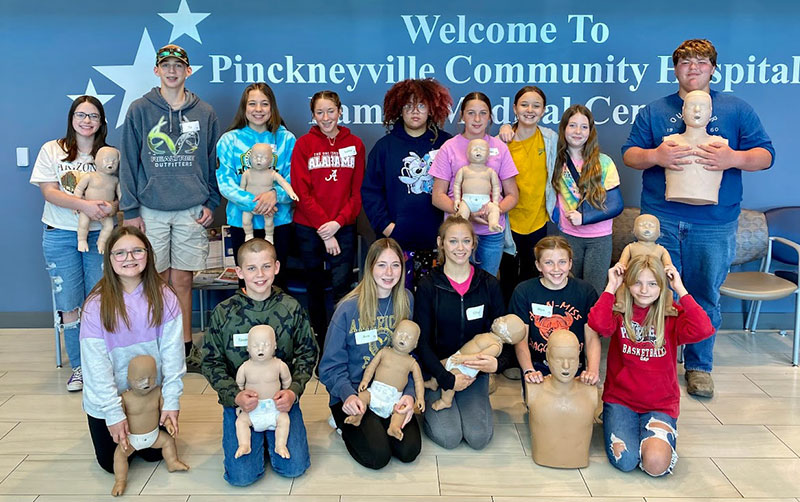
x: 441, y: 314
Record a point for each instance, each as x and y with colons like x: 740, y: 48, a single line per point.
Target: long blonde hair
x: 367, y: 292
x: 659, y: 309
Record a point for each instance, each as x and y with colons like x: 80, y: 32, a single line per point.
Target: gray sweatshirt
x: 169, y: 157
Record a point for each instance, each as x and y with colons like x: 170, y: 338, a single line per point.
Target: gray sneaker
x: 75, y: 382
x: 193, y: 360
x: 512, y: 373
x: 699, y: 383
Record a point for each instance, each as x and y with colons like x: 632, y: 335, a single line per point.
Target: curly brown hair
x: 427, y: 90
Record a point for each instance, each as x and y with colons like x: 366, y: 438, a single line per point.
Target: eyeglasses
x: 94, y: 117
x: 420, y: 107
x: 122, y: 254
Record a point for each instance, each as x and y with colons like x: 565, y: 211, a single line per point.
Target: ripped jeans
x: 631, y: 429
x: 73, y: 274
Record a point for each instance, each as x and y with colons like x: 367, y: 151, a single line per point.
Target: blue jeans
x: 470, y: 417
x: 247, y: 469
x: 620, y: 423
x: 489, y: 252
x: 73, y: 275
x: 703, y: 255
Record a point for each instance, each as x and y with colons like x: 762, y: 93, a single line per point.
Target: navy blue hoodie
x: 397, y: 187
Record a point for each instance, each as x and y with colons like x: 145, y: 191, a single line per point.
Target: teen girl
x: 397, y: 186
x: 256, y: 121
x: 327, y: 171
x: 363, y: 324
x: 533, y: 149
x: 131, y: 312
x: 641, y: 399
x: 476, y: 112
x: 582, y: 178
x: 555, y: 301
x: 57, y: 171
x: 456, y: 302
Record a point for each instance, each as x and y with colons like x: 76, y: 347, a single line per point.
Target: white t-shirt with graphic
x: 50, y: 167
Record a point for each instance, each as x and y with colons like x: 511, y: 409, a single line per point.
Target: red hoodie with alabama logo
x: 327, y: 175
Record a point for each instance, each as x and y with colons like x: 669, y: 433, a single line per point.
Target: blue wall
x: 52, y: 50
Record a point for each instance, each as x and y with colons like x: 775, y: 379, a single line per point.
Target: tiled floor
x: 742, y: 444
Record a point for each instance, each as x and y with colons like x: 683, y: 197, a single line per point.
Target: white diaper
x: 382, y: 398
x: 265, y: 416
x: 470, y: 372
x: 142, y: 441
x: 475, y: 201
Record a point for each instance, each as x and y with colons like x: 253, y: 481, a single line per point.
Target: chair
x: 757, y: 287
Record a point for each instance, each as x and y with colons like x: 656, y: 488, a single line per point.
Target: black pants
x: 282, y: 237
x: 104, y: 446
x: 313, y: 254
x: 515, y: 269
x: 370, y: 445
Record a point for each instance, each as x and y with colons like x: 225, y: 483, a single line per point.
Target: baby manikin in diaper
x: 506, y: 329
x: 476, y: 185
x: 390, y: 367
x: 142, y: 404
x: 266, y: 375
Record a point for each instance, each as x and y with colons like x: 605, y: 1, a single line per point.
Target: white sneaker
x: 332, y: 423
x: 75, y: 382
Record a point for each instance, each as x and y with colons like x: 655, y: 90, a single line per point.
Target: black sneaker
x: 193, y: 360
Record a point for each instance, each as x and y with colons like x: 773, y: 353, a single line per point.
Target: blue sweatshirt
x: 168, y: 157
x: 233, y: 153
x: 344, y: 361
x: 397, y: 187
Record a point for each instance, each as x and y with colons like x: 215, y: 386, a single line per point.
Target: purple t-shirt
x: 452, y: 156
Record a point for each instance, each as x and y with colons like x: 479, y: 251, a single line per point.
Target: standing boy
x: 701, y: 240
x: 225, y: 349
x: 167, y: 175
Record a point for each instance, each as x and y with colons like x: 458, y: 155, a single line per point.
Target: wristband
x: 529, y: 371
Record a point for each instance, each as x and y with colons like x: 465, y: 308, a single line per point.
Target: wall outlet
x: 22, y: 156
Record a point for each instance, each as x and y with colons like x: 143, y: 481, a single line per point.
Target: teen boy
x: 225, y: 349
x: 167, y: 174
x: 701, y: 240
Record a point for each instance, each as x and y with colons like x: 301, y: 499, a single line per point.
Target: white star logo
x: 136, y: 79
x: 91, y: 91
x: 184, y: 22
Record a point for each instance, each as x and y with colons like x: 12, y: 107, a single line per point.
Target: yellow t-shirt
x: 530, y: 213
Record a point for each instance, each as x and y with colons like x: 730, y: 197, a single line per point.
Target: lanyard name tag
x: 541, y: 310
x: 370, y: 335
x: 240, y: 340
x: 493, y: 152
x: 348, y: 151
x: 475, y: 313
x: 192, y: 126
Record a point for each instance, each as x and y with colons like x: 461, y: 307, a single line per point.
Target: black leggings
x: 370, y: 445
x: 104, y: 446
x: 515, y: 269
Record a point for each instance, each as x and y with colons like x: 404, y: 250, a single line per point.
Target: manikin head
x: 563, y: 355
x: 107, y: 160
x: 405, y: 336
x: 260, y: 156
x: 646, y: 228
x: 509, y: 328
x: 478, y: 151
x: 142, y: 374
x: 261, y: 342
x: 697, y: 109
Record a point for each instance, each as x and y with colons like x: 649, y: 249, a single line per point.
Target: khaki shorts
x: 178, y: 240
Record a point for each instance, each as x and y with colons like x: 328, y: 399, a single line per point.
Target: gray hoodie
x: 169, y: 157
